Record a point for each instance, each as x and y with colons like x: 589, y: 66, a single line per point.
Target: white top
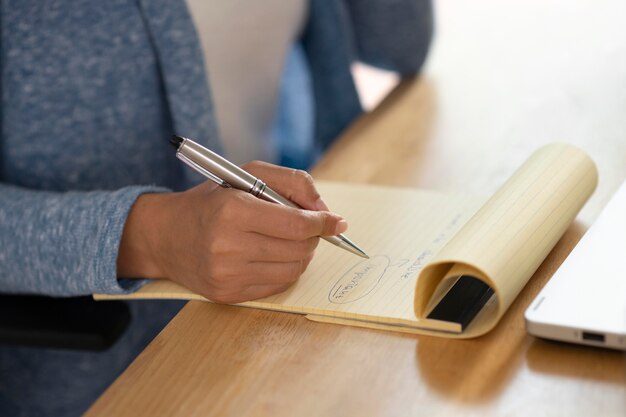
x: 245, y: 43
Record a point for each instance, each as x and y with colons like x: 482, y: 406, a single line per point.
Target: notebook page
x: 401, y: 229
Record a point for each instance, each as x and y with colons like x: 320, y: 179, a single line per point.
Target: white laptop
x: 585, y: 301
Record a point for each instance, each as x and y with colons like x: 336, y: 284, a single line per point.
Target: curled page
x: 507, y: 239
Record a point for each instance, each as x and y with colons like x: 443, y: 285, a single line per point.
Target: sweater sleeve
x: 392, y: 34
x: 64, y: 243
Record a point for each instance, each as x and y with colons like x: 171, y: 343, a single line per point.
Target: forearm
x: 142, y: 233
x: 63, y: 243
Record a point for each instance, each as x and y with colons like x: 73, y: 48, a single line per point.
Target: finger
x: 252, y: 292
x: 255, y: 292
x: 273, y: 273
x: 270, y: 249
x: 294, y: 184
x: 288, y: 223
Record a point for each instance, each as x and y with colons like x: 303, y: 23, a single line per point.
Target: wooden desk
x: 503, y: 78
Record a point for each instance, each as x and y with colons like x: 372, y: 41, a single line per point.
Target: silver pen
x: 228, y: 175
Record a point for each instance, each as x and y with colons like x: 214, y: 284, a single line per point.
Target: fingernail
x: 341, y: 226
x: 320, y: 205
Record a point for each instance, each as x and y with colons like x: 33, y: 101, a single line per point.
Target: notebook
x: 585, y: 301
x: 447, y: 264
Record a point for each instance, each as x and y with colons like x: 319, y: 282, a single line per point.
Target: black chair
x: 78, y: 323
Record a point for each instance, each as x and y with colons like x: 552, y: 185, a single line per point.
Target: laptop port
x: 593, y: 337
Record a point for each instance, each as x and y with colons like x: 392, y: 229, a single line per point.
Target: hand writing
x: 225, y: 244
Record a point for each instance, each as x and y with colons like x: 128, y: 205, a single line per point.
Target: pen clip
x: 203, y: 171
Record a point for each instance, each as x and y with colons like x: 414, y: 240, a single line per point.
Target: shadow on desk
x: 556, y: 358
x: 477, y: 370
x: 471, y: 371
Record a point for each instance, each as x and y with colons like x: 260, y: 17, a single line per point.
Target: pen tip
x: 350, y: 246
x: 360, y: 251
x: 176, y: 140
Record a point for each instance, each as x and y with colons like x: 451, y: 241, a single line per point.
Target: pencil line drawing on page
x: 361, y: 279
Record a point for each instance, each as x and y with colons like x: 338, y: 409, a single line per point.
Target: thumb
x: 329, y: 224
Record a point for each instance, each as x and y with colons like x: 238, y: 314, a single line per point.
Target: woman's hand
x: 225, y: 244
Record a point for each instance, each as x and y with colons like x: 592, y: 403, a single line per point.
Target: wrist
x: 140, y: 245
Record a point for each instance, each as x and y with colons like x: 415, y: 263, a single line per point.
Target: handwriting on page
x: 417, y: 264
x: 423, y: 257
x: 365, y: 276
x: 360, y: 280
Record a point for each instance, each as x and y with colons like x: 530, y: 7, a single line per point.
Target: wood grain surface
x: 503, y: 78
